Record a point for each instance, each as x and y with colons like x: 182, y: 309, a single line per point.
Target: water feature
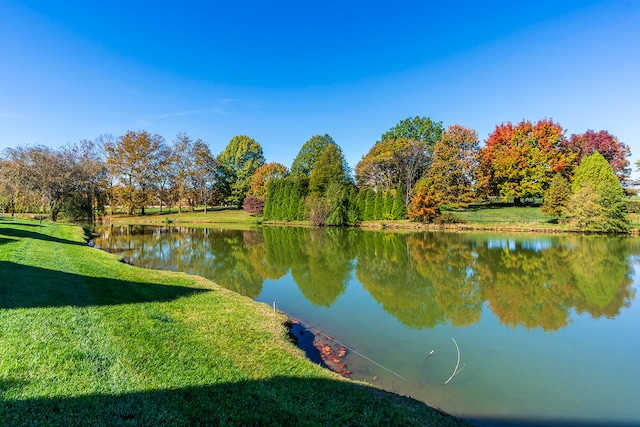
x: 547, y: 325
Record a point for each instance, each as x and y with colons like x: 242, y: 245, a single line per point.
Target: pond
x: 546, y: 327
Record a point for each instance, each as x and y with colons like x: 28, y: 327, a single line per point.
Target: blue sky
x: 281, y: 72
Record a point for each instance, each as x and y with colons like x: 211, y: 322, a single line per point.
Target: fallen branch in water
x: 455, y: 371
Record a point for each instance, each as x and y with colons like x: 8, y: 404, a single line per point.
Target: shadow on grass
x: 30, y: 287
x: 18, y: 221
x: 27, y: 234
x: 276, y: 401
x: 4, y: 240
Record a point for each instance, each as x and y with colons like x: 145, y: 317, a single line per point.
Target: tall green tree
x: 378, y: 206
x: 597, y: 200
x: 454, y: 167
x: 308, y: 155
x: 329, y: 168
x: 416, y: 128
x: 399, y: 209
x: 236, y: 166
x: 369, y: 205
x: 402, y: 155
x: 392, y: 162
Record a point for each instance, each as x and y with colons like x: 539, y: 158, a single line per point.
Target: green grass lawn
x: 88, y: 340
x: 513, y: 216
x: 225, y: 216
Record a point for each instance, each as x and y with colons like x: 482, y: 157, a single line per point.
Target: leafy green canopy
x: 421, y: 129
x: 401, y: 157
x: 236, y: 166
x: 330, y: 167
x: 308, y: 155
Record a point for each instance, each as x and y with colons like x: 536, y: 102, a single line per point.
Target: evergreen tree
x: 379, y: 206
x: 388, y: 206
x: 330, y: 167
x: 353, y: 207
x: 370, y: 204
x: 399, y: 208
x: 300, y: 185
x: 268, y: 204
x: 337, y: 200
x: 556, y: 196
x: 596, y: 182
x: 292, y: 200
x: 361, y: 204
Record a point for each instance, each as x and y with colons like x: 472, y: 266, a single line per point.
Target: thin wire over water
x: 347, y: 347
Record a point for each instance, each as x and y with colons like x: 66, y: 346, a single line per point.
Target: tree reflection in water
x: 422, y: 279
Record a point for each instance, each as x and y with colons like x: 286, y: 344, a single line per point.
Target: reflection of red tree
x: 521, y: 291
x: 447, y: 264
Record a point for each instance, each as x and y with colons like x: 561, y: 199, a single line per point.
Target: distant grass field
x: 499, y: 215
x: 218, y: 215
x: 88, y: 340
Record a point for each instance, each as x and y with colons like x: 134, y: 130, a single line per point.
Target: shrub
x: 253, y: 205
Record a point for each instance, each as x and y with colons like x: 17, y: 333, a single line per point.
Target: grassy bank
x: 486, y: 217
x: 88, y: 340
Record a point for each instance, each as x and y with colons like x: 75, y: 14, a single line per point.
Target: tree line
x: 416, y: 169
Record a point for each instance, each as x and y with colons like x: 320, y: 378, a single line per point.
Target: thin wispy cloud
x: 13, y: 116
x: 219, y: 109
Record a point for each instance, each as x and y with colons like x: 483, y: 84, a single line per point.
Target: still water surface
x: 548, y: 326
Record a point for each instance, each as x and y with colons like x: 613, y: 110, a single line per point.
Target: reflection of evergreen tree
x: 385, y: 270
x: 319, y: 260
x: 601, y: 274
x: 534, y: 285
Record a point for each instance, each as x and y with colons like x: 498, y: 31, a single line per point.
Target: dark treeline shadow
x: 18, y: 221
x: 28, y: 234
x: 277, y: 401
x: 24, y: 286
x: 4, y: 240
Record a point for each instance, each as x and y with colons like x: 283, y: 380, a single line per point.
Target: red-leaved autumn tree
x: 520, y: 161
x: 603, y: 142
